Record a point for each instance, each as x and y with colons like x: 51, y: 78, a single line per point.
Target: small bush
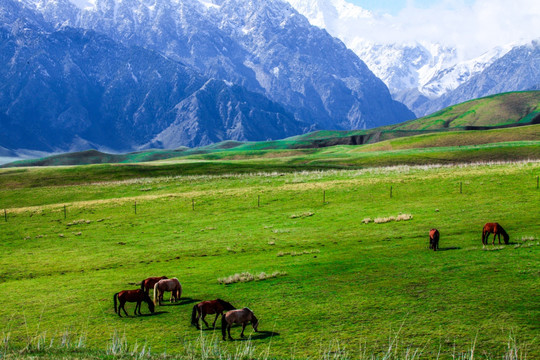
x: 400, y: 217
x: 302, y: 215
x: 247, y: 277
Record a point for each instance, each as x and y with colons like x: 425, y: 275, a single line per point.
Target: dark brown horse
x: 204, y: 308
x: 148, y: 283
x: 241, y: 316
x: 496, y: 230
x: 434, y: 239
x: 137, y: 296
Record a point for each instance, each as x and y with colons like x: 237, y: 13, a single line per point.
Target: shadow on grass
x: 156, y: 313
x: 449, y: 248
x: 183, y: 301
x: 257, y: 336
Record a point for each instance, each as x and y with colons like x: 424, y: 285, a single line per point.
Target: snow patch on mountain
x: 427, y: 69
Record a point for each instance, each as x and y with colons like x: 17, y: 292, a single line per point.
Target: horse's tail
x: 115, y: 296
x: 142, y: 285
x: 155, y: 292
x: 194, y: 321
x: 224, y: 326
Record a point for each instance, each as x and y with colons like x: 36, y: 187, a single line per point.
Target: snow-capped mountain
x: 415, y: 73
x: 264, y: 45
x: 72, y: 89
x: 518, y: 69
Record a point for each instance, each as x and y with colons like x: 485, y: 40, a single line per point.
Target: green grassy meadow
x: 349, y: 290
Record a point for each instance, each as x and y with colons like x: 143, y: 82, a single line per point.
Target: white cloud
x: 472, y: 28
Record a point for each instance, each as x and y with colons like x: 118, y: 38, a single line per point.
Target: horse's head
x: 254, y: 322
x: 150, y: 303
x: 506, y: 238
x: 226, y: 305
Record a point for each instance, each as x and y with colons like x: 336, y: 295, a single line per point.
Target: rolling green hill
x: 458, y: 125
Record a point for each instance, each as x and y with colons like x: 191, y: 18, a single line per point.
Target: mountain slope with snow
x: 71, y: 89
x: 519, y: 69
x: 264, y: 45
x: 416, y: 73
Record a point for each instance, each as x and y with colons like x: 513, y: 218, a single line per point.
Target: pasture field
x: 345, y: 288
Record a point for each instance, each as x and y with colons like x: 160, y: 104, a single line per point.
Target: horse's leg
x: 243, y: 328
x: 123, y: 308
x: 499, y: 236
x: 229, y: 331
x: 217, y: 315
x: 204, y: 321
x: 199, y: 314
x: 137, y: 305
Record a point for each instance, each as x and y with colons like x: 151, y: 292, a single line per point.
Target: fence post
x: 193, y: 204
x: 324, y: 197
x: 135, y: 206
x: 5, y: 215
x: 65, y: 212
x: 460, y: 187
x: 537, y: 182
x: 258, y: 200
x: 390, y: 191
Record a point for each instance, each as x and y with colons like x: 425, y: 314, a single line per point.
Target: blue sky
x: 394, y: 6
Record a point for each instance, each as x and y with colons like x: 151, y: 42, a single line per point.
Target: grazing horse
x: 204, y: 308
x: 240, y: 316
x: 496, y: 230
x: 149, y: 283
x: 172, y: 285
x: 137, y: 296
x: 434, y: 239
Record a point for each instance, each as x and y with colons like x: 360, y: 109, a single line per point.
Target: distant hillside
x: 458, y: 125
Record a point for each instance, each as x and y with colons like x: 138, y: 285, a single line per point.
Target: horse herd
x: 244, y: 316
x: 490, y: 228
x: 162, y: 284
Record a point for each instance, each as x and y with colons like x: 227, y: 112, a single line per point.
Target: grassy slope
x: 497, y: 110
x: 367, y: 280
x: 455, y: 147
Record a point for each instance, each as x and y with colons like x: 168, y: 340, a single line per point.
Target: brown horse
x: 172, y: 285
x: 434, y: 239
x: 137, y: 296
x: 204, y: 308
x: 496, y: 230
x: 149, y: 283
x: 241, y: 316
